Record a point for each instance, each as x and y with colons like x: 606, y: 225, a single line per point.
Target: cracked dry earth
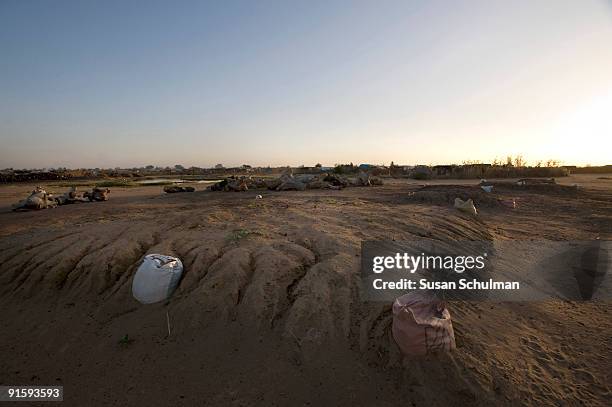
x: 268, y: 310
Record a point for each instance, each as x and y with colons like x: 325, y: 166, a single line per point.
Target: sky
x: 135, y: 83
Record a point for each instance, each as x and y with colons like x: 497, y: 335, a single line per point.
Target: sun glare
x: 583, y: 136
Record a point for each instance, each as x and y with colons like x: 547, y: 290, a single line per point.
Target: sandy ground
x: 268, y: 312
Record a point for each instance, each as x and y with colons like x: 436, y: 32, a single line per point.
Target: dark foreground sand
x: 268, y: 312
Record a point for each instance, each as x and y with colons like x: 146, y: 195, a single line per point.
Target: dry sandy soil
x: 268, y: 311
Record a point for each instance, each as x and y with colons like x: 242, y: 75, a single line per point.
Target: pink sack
x: 422, y: 324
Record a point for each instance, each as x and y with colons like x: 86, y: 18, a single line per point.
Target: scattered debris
x: 230, y: 184
x: 97, y: 194
x: 40, y: 199
x: 171, y: 189
x: 258, y: 197
x: 487, y: 188
x: 69, y: 197
x: 535, y: 181
x: 336, y: 180
x: 363, y: 180
x: 376, y: 181
x: 465, y: 206
x: 289, y: 182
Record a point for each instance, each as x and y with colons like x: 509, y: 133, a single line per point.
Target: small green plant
x: 238, y: 235
x: 125, y: 341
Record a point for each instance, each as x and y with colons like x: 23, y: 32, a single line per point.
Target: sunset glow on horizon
x: 130, y: 84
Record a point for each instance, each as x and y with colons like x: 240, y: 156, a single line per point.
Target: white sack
x: 465, y: 206
x: 156, y: 278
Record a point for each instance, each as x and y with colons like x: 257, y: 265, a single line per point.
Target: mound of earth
x: 446, y: 194
x: 269, y: 310
x: 538, y: 188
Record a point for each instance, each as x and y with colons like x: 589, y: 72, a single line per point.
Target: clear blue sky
x: 131, y: 83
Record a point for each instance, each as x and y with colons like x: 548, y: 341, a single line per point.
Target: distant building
x: 443, y: 171
x: 421, y: 169
x: 474, y: 170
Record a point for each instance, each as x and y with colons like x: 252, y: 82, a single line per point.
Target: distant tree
x: 149, y: 167
x: 519, y: 161
x: 552, y: 163
x: 219, y: 166
x: 509, y: 161
x: 179, y: 167
x: 318, y: 165
x: 471, y: 162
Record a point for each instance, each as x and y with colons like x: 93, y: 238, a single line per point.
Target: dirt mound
x: 295, y: 281
x: 537, y: 188
x: 274, y: 283
x: 446, y: 194
x: 266, y: 282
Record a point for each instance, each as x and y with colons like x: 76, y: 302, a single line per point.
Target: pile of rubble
x: 289, y: 182
x: 173, y: 189
x: 40, y: 199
